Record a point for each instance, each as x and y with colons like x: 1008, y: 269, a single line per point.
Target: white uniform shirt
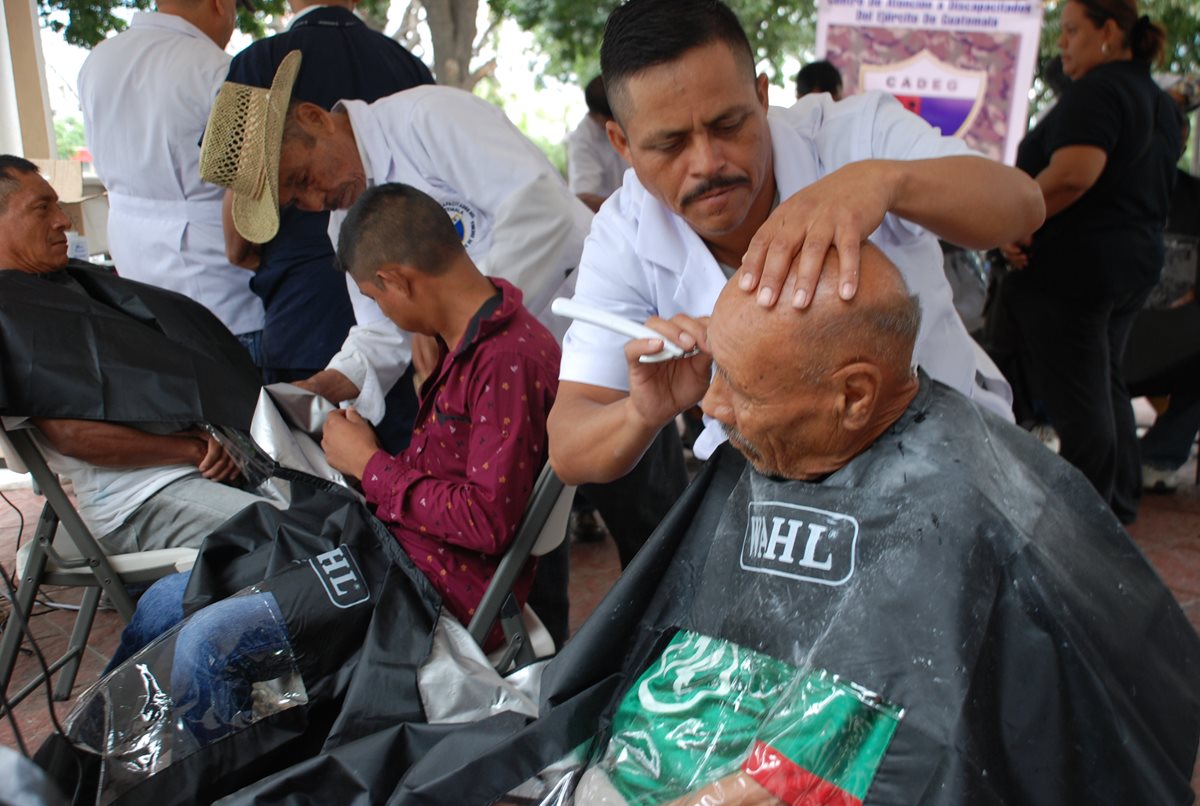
x: 641, y: 259
x: 105, y: 496
x: 593, y: 165
x: 146, y: 94
x: 516, y: 217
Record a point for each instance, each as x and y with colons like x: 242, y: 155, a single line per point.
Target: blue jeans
x: 159, y: 609
x: 252, y: 341
x: 220, y: 653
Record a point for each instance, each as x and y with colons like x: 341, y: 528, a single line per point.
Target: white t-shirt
x: 514, y: 213
x: 146, y: 94
x: 105, y: 496
x: 593, y: 165
x: 642, y: 260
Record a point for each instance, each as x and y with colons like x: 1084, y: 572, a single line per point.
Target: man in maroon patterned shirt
x: 454, y: 497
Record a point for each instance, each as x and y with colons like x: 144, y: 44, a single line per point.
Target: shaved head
x: 801, y: 392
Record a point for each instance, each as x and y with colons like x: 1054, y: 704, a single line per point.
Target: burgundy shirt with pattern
x: 455, y: 495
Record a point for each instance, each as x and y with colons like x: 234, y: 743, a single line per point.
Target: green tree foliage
x: 88, y: 22
x: 569, y: 31
x: 68, y: 134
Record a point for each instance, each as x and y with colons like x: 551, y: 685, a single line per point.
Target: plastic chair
x: 70, y: 557
x: 543, y: 529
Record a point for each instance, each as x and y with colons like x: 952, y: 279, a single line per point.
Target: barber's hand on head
x: 425, y: 354
x: 329, y: 384
x: 216, y: 464
x: 659, y: 391
x: 786, y: 254
x: 349, y: 442
x: 1015, y: 254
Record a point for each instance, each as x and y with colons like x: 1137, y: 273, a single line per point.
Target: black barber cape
x: 359, y: 620
x: 957, y: 568
x: 83, y: 343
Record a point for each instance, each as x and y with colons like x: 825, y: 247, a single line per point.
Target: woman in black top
x: 1104, y: 157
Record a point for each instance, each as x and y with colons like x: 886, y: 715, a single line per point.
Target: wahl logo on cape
x: 944, y: 95
x: 811, y: 545
x: 340, y: 576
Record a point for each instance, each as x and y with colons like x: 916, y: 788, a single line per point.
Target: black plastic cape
x: 83, y: 343
x: 986, y: 590
x: 357, y: 654
x: 989, y: 592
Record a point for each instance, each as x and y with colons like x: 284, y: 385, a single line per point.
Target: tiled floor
x: 1168, y: 532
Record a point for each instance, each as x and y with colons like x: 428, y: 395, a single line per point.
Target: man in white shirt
x: 721, y: 187
x: 594, y: 168
x: 145, y: 95
x: 515, y: 215
x: 156, y: 485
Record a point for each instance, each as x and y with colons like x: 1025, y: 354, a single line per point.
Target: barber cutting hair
x: 722, y: 185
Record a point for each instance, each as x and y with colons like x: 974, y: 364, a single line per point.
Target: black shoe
x: 587, y: 528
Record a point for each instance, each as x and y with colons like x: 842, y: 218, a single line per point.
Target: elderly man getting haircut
x: 116, y: 376
x: 884, y: 595
x: 725, y: 186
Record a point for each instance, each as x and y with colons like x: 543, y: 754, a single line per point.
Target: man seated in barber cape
x: 452, y: 500
x: 877, y: 592
x: 116, y: 379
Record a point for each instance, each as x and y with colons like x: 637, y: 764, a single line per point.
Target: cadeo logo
x: 801, y: 543
x: 341, y: 577
x: 945, y: 95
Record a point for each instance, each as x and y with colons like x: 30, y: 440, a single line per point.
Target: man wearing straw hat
x: 145, y: 94
x: 305, y: 299
x: 514, y: 214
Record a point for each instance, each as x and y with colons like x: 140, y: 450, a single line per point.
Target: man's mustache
x: 739, y: 441
x: 709, y: 185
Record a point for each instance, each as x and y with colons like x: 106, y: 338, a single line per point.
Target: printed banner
x: 965, y: 66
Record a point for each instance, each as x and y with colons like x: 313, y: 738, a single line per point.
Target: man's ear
x: 312, y: 117
x: 859, y: 384
x: 395, y: 278
x: 616, y: 136
x: 760, y: 89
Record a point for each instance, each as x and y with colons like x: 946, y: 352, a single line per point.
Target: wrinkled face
x: 1080, y: 41
x: 781, y: 422
x: 326, y: 175
x: 695, y: 131
x: 33, y: 228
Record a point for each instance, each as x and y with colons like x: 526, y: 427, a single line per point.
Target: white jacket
x: 146, y: 94
x: 642, y: 260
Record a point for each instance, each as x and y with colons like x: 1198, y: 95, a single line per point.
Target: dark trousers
x: 631, y: 507
x: 1075, y: 347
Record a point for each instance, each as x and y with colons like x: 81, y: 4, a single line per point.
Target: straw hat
x: 241, y: 148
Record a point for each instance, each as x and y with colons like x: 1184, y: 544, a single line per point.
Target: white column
x: 25, y: 124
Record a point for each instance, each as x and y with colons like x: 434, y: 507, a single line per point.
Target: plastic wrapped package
x: 219, y: 672
x: 710, y: 718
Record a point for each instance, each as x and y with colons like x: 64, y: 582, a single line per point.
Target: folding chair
x: 70, y: 557
x: 543, y: 528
